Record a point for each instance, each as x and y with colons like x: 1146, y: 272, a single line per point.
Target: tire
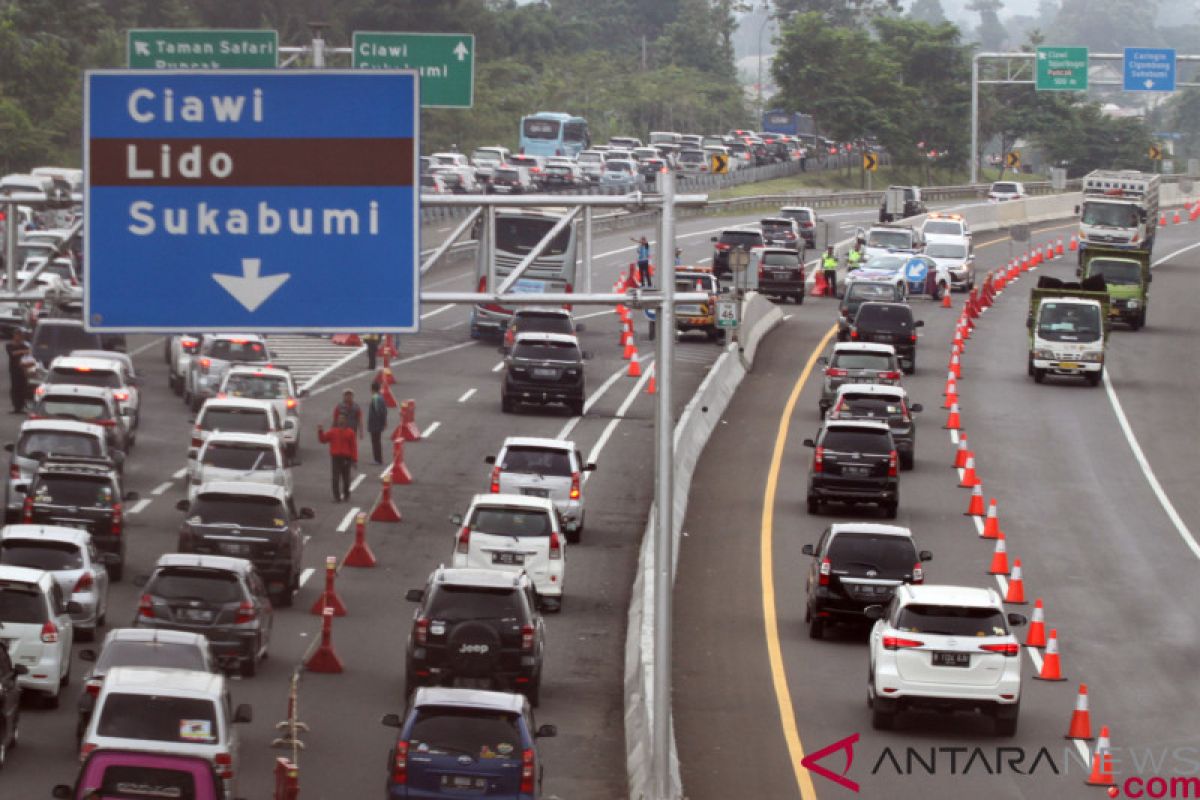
x: 473, y: 649
x: 891, y: 510
x: 116, y: 572
x: 1029, y: 367
x: 51, y: 701
x: 533, y: 692
x: 1093, y: 378
x: 1006, y: 724
x: 881, y: 719
x: 285, y: 598
x: 799, y: 298
x: 3, y: 747
x: 907, y: 460
x: 65, y: 680
x: 816, y: 627
x: 814, y: 505
x: 248, y: 668
x: 507, y: 406
x: 1039, y: 375
x: 86, y: 634
x: 576, y: 407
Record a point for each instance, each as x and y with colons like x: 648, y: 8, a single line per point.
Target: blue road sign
x: 264, y: 201
x: 1149, y: 69
x: 915, y: 271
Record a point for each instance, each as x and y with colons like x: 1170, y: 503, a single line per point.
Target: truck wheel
x: 506, y: 404
x: 814, y: 505
x: 816, y: 627
x: 1093, y: 378
x: 1039, y: 375
x: 799, y: 298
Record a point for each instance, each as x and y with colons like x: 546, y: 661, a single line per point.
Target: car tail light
x: 527, y: 638
x: 528, y: 770
x: 196, y: 440
x: 86, y: 750
x: 85, y: 582
x: 27, y: 509
x: 806, y: 225
x: 495, y: 487
x: 92, y: 686
x: 721, y: 246
x: 912, y: 337
x: 121, y: 395
x: 853, y: 334
x: 568, y: 289
x: 555, y: 547
x: 891, y: 375
x: 789, y: 235
x: 899, y: 643
x: 464, y: 540
x: 893, y: 465
x: 819, y: 459
x: 104, y: 423
x: 834, y: 372
x: 40, y: 392
x: 224, y: 764
x: 400, y: 764
x: 421, y: 630
x: 1008, y: 649
x: 49, y: 632
x: 14, y: 472
x: 290, y: 404
x: 246, y: 613
x: 918, y: 574
x: 146, y: 607
x: 189, y: 344
x: 575, y: 489
x: 118, y: 519
x: 826, y: 568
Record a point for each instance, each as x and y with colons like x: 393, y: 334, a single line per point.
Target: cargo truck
x: 1068, y: 329
x: 1126, y: 273
x: 1119, y: 209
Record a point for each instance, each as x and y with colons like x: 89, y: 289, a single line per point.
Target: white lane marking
x: 346, y: 359
x: 179, y: 473
x: 467, y: 395
x: 498, y: 367
x: 615, y: 421
x: 786, y: 317
x: 354, y: 484
x: 597, y: 314
x: 344, y: 525
x: 305, y: 574
x: 591, y: 401
x: 442, y: 229
x: 162, y: 487
x: 1082, y: 748
x: 137, y: 351
x: 437, y: 311
x: 443, y: 281
x: 433, y: 426
x: 140, y: 506
x: 359, y: 375
x: 453, y: 325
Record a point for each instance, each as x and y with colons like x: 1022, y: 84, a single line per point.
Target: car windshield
x: 21, y: 606
x: 894, y: 318
x: 241, y: 350
x: 861, y: 292
x: 899, y: 240
x: 951, y: 620
x: 540, y: 129
x: 1005, y: 188
x: 124, y: 653
x: 160, y: 718
x: 880, y: 362
x: 250, y: 511
x: 746, y: 239
x: 484, y: 154
x: 57, y: 443
x: 184, y: 583
x: 40, y: 554
x: 781, y: 260
x: 453, y: 603
x: 869, y: 407
x: 257, y: 387
x: 945, y: 250
x: 1126, y: 273
x: 943, y: 226
x: 83, y: 491
x: 522, y: 234
x: 84, y: 409
x: 511, y: 522
x: 1109, y: 215
x: 537, y: 461
x: 858, y: 440
x: 53, y: 340
x: 534, y: 322
x: 242, y: 456
x: 547, y: 351
x: 476, y: 733
x: 84, y: 376
x: 859, y: 552
x: 799, y: 216
x: 1069, y: 322
x: 238, y: 420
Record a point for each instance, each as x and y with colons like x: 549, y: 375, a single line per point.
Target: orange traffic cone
x: 389, y: 399
x: 385, y: 510
x: 1051, y: 665
x: 630, y: 349
x: 1102, y: 768
x: 408, y: 429
x: 969, y: 479
x: 1162, y: 219
x: 1175, y: 220
x: 360, y: 554
x: 1058, y: 248
x: 1049, y: 252
x: 1036, y: 637
x: 1074, y: 246
x: 952, y: 423
x: 1016, y: 586
x: 819, y: 286
x: 991, y: 525
x: 999, y: 564
x: 651, y: 386
x: 1081, y: 717
x: 323, y: 658
x: 946, y: 299
x: 975, y: 509
x: 951, y: 392
x: 635, y: 366
x: 329, y: 597
x: 962, y: 453
x: 398, y: 473
x: 955, y: 367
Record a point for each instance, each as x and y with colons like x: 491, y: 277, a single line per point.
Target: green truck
x: 1068, y: 329
x: 1126, y: 273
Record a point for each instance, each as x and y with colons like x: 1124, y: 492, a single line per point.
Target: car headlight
x: 1132, y: 304
x: 1091, y: 355
x: 1044, y: 354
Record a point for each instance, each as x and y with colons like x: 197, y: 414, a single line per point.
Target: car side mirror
x: 21, y: 669
x: 873, y: 612
x: 916, y: 408
x: 1029, y: 322
x: 457, y: 519
x: 547, y: 732
x: 414, y: 595
x: 489, y: 459
x: 10, y: 447
x: 74, y: 608
x: 87, y: 655
x: 140, y: 581
x: 61, y: 790
x: 183, y: 505
x: 243, y: 713
x: 925, y: 555
x: 809, y: 443
x: 130, y: 497
x: 391, y: 721
x: 1017, y: 619
x: 590, y: 467
x: 307, y: 513
x: 920, y: 323
x: 808, y: 550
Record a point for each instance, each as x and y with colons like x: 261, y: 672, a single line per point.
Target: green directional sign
x: 203, y: 49
x: 1062, y: 69
x: 445, y: 62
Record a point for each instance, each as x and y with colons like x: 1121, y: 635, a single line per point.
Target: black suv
x: 858, y: 292
x: 476, y: 628
x: 57, y: 336
x: 85, y: 493
x: 855, y: 565
x: 255, y: 521
x: 10, y: 701
x: 729, y: 239
x: 854, y: 461
x: 543, y: 368
x: 889, y: 323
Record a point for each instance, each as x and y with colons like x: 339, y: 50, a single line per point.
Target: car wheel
x: 816, y: 627
x: 906, y: 460
x: 249, y: 666
x: 116, y: 571
x: 1029, y: 367
x: 1093, y: 378
x: 1005, y: 719
x: 799, y: 298
x: 911, y: 368
x: 50, y: 701
x: 576, y: 407
x: 814, y: 505
x: 65, y: 680
x: 882, y: 719
x: 534, y: 691
x: 1039, y: 375
x: 86, y: 634
x: 507, y: 406
x: 890, y: 510
x: 3, y: 747
x: 285, y: 598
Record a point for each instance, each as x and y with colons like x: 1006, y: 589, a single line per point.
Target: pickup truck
x: 1126, y: 273
x: 1068, y: 329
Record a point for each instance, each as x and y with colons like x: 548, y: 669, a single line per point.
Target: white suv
x: 269, y: 383
x: 35, y: 625
x: 551, y: 468
x: 242, y: 458
x: 944, y: 648
x: 515, y: 533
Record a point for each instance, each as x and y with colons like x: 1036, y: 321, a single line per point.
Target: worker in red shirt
x: 343, y: 452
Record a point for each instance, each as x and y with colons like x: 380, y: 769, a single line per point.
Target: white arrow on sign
x: 141, y: 48
x: 461, y: 51
x: 1149, y: 83
x: 248, y: 288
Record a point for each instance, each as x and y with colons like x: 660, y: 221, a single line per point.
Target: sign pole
x: 975, y: 119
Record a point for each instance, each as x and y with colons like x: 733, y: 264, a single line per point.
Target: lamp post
x: 761, y: 29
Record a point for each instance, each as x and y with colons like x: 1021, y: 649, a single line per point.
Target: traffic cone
x: 954, y: 366
x: 1102, y: 768
x: 991, y: 524
x: 1058, y: 248
x: 1049, y: 252
x: 651, y: 386
x: 323, y: 658
x: 957, y: 342
x: 1162, y: 220
x: 1036, y: 636
x: 398, y: 473
x: 975, y: 508
x: 952, y: 423
x: 946, y: 299
x: 1194, y: 214
x: 360, y: 554
x: 819, y: 286
x: 1175, y: 220
x: 385, y: 510
x: 999, y: 565
x: 951, y: 394
x: 962, y: 453
x: 385, y: 374
x: 1081, y: 717
x: 1016, y: 586
x: 389, y: 399
x: 633, y: 280
x: 329, y: 597
x: 635, y: 366
x: 1074, y: 246
x: 1051, y: 665
x: 408, y: 421
x: 630, y: 349
x: 969, y: 479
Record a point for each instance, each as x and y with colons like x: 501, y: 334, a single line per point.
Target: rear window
x: 694, y: 283
x: 161, y: 718
x: 57, y: 443
x: 858, y: 552
x: 522, y: 234
x: 548, y: 351
x: 84, y: 409
x: 151, y: 654
x: 951, y: 620
x: 73, y: 490
x: 898, y: 239
x: 206, y: 585
x: 84, y: 376
x: 138, y: 781
x: 506, y: 174
x: 475, y: 733
x: 238, y: 420
x: 775, y: 227
x: 22, y: 606
x: 226, y: 455
x: 799, y: 216
x: 257, y: 387
x: 64, y: 338
x: 780, y: 260
x: 237, y: 350
x: 747, y: 239
x: 250, y: 511
x: 943, y: 226
x: 876, y: 361
x: 543, y: 323
x: 857, y: 440
x: 511, y: 522
x: 454, y: 603
x: 537, y: 461
x: 870, y: 407
x: 35, y: 554
x: 864, y: 292
x: 1005, y: 188
x: 557, y: 169
x: 945, y: 250
x: 879, y: 317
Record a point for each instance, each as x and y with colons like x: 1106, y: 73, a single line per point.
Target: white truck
x: 1119, y: 209
x: 1068, y: 329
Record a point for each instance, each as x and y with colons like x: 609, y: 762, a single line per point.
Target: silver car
x: 50, y: 437
x: 70, y: 557
x: 550, y: 468
x: 857, y: 362
x: 217, y: 353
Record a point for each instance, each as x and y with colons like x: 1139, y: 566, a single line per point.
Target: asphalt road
x: 753, y: 694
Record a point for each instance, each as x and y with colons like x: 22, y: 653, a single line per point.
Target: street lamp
x: 761, y: 29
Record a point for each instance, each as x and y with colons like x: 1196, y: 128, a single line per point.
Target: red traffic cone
x: 389, y: 399
x: 969, y: 479
x: 1175, y: 220
x: 323, y: 658
x: 1162, y: 220
x: 1074, y: 245
x: 399, y: 474
x: 991, y: 525
x: 1051, y: 664
x: 1058, y: 247
x: 1036, y: 636
x: 385, y: 510
x: 952, y: 422
x: 1049, y: 252
x: 946, y: 299
x: 819, y: 287
x: 1102, y: 768
x: 962, y: 453
x: 408, y: 421
x: 630, y: 349
x: 635, y: 366
x: 1194, y: 214
x: 360, y: 554
x: 955, y: 366
x: 951, y: 394
x: 329, y: 598
x: 999, y: 564
x: 651, y: 386
x: 1016, y: 586
x: 633, y: 280
x: 1081, y: 717
x: 975, y: 508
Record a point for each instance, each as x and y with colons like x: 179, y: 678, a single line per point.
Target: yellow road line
x: 787, y: 714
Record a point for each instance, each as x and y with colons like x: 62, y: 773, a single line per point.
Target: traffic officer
x: 854, y: 257
x: 829, y: 266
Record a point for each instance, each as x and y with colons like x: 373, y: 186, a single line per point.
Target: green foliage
x: 839, y: 12
x: 930, y: 11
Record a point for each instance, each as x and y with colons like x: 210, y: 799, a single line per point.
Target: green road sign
x: 1062, y: 69
x: 445, y: 62
x: 202, y: 49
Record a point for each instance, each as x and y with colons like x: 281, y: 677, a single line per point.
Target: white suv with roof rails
x: 39, y: 438
x: 233, y: 415
x: 944, y: 648
x: 274, y: 384
x: 241, y: 458
x: 102, y: 372
x: 207, y: 368
x: 537, y: 467
x: 35, y: 625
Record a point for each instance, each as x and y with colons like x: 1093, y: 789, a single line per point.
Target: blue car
x: 456, y: 742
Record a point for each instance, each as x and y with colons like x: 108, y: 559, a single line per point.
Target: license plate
x: 463, y: 782
x: 1067, y: 365
x: 536, y: 492
x: 944, y: 659
x: 540, y: 372
x: 196, y: 614
x: 82, y: 524
x: 516, y: 559
x: 235, y: 549
x: 782, y: 276
x: 857, y: 470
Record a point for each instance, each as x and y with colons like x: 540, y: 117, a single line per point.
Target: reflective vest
x: 829, y: 263
x: 853, y: 260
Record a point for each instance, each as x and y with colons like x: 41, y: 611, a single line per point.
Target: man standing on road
x: 643, y: 262
x: 18, y: 381
x: 377, y: 414
x: 829, y: 265
x: 343, y: 454
x: 351, y: 412
x: 371, y: 340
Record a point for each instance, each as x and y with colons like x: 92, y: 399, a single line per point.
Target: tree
x: 1107, y: 26
x: 930, y: 11
x: 991, y: 32
x: 839, y: 12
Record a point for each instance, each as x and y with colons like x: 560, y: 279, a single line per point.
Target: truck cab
x: 1126, y: 273
x: 1119, y: 209
x: 1068, y: 329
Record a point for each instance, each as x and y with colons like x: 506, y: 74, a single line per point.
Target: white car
x: 35, y: 623
x: 955, y: 257
x: 70, y: 557
x: 233, y: 415
x: 536, y: 467
x: 218, y: 352
x: 940, y: 226
x: 180, y: 349
x: 1006, y: 190
x: 944, y: 647
x: 106, y: 373
x: 240, y: 458
x: 883, y: 240
x: 515, y: 533
x: 591, y: 163
x: 276, y: 385
x: 908, y: 271
x: 486, y: 159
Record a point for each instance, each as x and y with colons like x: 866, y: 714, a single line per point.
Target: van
x: 35, y: 626
x: 125, y: 773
